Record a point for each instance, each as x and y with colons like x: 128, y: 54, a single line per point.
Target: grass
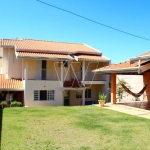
x: 73, y: 128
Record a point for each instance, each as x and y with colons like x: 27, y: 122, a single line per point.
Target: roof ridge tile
x: 52, y: 41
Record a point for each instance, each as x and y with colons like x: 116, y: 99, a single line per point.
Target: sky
x: 33, y: 20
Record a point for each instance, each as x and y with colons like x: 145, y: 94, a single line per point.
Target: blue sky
x: 33, y: 20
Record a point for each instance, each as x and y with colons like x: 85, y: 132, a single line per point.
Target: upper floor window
x: 65, y: 63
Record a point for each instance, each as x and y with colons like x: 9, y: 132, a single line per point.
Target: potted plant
x: 3, y: 104
x: 102, y: 99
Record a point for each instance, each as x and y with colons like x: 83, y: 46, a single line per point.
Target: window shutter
x: 36, y: 95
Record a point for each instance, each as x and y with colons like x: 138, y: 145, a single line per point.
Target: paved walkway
x: 128, y: 110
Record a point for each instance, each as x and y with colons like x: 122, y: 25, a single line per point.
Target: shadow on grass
x: 1, y: 119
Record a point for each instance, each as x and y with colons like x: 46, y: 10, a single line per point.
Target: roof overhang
x: 70, y: 88
x: 120, y: 70
x: 11, y: 89
x: 93, y: 60
x: 146, y: 57
x: 43, y: 56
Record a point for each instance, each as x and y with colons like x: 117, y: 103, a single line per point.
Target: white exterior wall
x: 31, y: 85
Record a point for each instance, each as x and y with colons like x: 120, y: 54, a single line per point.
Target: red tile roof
x: 10, y: 83
x: 126, y: 64
x: 43, y: 55
x: 145, y: 54
x: 90, y: 57
x: 29, y: 45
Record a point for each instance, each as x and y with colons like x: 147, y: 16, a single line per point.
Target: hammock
x: 136, y: 95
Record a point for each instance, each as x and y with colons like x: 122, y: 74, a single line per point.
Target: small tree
x: 120, y: 91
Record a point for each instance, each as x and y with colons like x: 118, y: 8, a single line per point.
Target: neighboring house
x: 46, y: 73
x: 139, y: 65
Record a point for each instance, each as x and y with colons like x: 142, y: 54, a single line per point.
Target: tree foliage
x: 120, y: 91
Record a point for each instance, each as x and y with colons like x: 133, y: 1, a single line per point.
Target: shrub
x: 15, y: 103
x: 3, y: 103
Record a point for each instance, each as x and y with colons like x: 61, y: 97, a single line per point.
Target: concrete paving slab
x: 127, y: 110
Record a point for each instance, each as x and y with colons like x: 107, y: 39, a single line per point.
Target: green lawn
x: 73, y: 128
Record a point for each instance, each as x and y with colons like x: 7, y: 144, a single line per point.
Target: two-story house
x: 47, y: 73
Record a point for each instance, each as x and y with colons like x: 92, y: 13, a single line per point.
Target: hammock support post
x: 113, y: 88
x: 146, y: 78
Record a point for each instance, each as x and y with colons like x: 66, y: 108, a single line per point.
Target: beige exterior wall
x: 102, y: 64
x: 31, y: 68
x: 1, y: 62
x: 14, y: 65
x: 1, y: 55
x: 35, y: 69
x: 32, y: 85
x: 11, y: 65
x: 1, y: 51
x: 95, y: 89
x: 5, y: 61
x: 76, y: 71
x: 52, y: 66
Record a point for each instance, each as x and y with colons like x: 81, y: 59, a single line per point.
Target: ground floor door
x: 66, y: 98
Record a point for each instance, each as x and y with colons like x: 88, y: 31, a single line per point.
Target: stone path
x: 128, y: 110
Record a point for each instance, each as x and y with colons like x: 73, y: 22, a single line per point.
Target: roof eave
x: 94, y: 60
x: 43, y: 58
x: 122, y: 70
x: 134, y: 59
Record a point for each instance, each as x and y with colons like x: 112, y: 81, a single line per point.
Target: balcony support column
x: 83, y: 97
x: 83, y: 70
x: 26, y: 71
x: 61, y: 78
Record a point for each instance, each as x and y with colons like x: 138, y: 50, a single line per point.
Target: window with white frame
x: 88, y: 93
x: 40, y: 95
x: 78, y: 94
x: 36, y: 95
x: 50, y: 95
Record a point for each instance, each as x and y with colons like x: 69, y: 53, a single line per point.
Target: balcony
x: 43, y: 74
x: 90, y: 76
x: 55, y: 75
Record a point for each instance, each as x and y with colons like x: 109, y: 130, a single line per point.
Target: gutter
x: 134, y: 59
x: 122, y: 70
x: 43, y: 58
